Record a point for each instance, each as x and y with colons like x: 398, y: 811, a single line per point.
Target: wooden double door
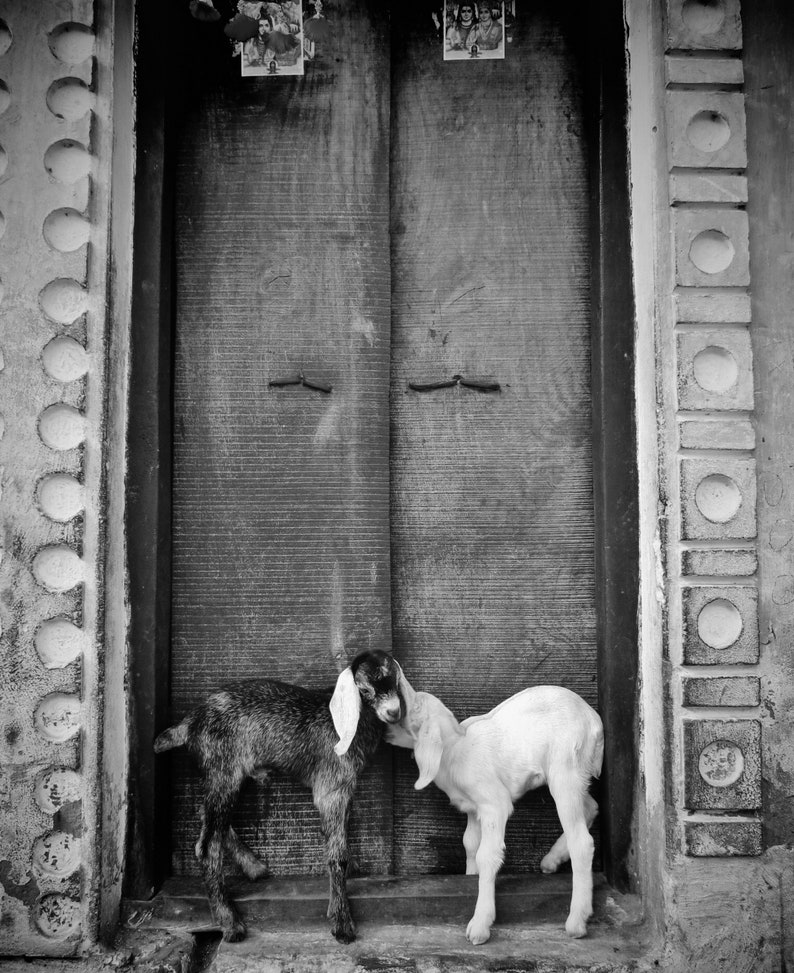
x: 387, y: 220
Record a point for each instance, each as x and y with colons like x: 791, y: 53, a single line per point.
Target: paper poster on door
x: 275, y: 47
x: 474, y: 30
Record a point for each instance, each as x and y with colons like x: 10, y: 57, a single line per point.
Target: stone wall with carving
x: 712, y: 560
x: 54, y: 182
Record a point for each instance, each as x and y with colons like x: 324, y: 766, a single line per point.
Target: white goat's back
x: 553, y: 723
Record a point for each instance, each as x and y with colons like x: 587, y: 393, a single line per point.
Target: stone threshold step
x: 182, y: 902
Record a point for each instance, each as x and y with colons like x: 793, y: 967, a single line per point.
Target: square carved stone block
x: 720, y: 625
x: 718, y: 498
x: 706, y: 129
x: 712, y: 248
x: 723, y: 839
x: 710, y: 25
x: 715, y: 370
x: 722, y: 760
x: 721, y: 691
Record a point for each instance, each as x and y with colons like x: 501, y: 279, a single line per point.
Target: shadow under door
x: 389, y: 219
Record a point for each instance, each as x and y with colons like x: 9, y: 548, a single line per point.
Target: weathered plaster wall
x: 55, y: 181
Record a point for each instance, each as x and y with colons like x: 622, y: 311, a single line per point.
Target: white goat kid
x: 544, y: 735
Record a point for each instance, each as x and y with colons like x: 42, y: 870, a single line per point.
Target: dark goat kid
x: 319, y: 737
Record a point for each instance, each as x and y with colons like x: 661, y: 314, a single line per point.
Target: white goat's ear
x: 345, y: 707
x: 427, y: 752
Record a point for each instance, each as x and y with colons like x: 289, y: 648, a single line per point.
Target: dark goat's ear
x: 345, y: 708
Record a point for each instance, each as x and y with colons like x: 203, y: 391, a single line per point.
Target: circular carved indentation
x: 64, y: 359
x: 69, y: 98
x: 3, y: 161
x: 59, y: 642
x: 719, y: 623
x: 715, y: 368
x: 61, y: 427
x: 718, y: 498
x: 67, y: 161
x: 66, y: 229
x: 711, y: 252
x: 58, y: 568
x: 58, y: 916
x: 57, y: 717
x: 6, y: 37
x: 721, y: 763
x: 708, y: 131
x: 72, y: 43
x: 55, y: 787
x: 703, y: 16
x: 63, y: 300
x: 5, y: 97
x: 61, y: 497
x: 56, y: 854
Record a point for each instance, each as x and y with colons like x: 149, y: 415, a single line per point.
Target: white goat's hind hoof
x: 576, y: 928
x: 477, y: 933
x: 549, y: 865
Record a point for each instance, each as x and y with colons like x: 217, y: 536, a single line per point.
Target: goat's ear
x: 427, y: 752
x: 345, y: 708
x: 407, y: 690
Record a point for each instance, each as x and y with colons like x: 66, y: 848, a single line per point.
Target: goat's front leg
x: 334, y: 808
x: 489, y: 858
x: 471, y: 842
x: 571, y: 806
x: 209, y: 851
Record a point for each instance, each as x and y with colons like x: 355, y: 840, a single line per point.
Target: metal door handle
x: 301, y: 379
x: 480, y: 385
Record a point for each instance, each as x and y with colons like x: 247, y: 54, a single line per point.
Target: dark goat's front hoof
x: 344, y: 932
x: 234, y: 933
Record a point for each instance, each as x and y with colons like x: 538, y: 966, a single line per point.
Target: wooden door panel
x: 281, y: 541
x: 492, y: 508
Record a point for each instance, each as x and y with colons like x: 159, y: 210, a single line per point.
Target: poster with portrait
x: 277, y: 47
x: 474, y: 29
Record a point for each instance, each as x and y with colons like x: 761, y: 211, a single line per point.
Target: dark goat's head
x: 373, y: 679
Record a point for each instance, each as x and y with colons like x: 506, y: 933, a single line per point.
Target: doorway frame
x: 148, y: 497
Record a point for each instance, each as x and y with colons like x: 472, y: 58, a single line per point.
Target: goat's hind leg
x: 558, y: 853
x: 251, y: 864
x: 571, y: 804
x: 334, y: 808
x: 209, y: 851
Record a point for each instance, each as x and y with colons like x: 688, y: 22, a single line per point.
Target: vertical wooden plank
x: 614, y: 436
x: 492, y: 505
x: 281, y: 543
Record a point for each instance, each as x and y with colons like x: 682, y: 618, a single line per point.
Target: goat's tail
x: 174, y: 736
x: 595, y: 758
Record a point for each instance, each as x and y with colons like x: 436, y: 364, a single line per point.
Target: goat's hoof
x: 256, y: 871
x: 576, y: 928
x: 478, y: 933
x: 344, y: 934
x: 549, y: 865
x: 235, y: 933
